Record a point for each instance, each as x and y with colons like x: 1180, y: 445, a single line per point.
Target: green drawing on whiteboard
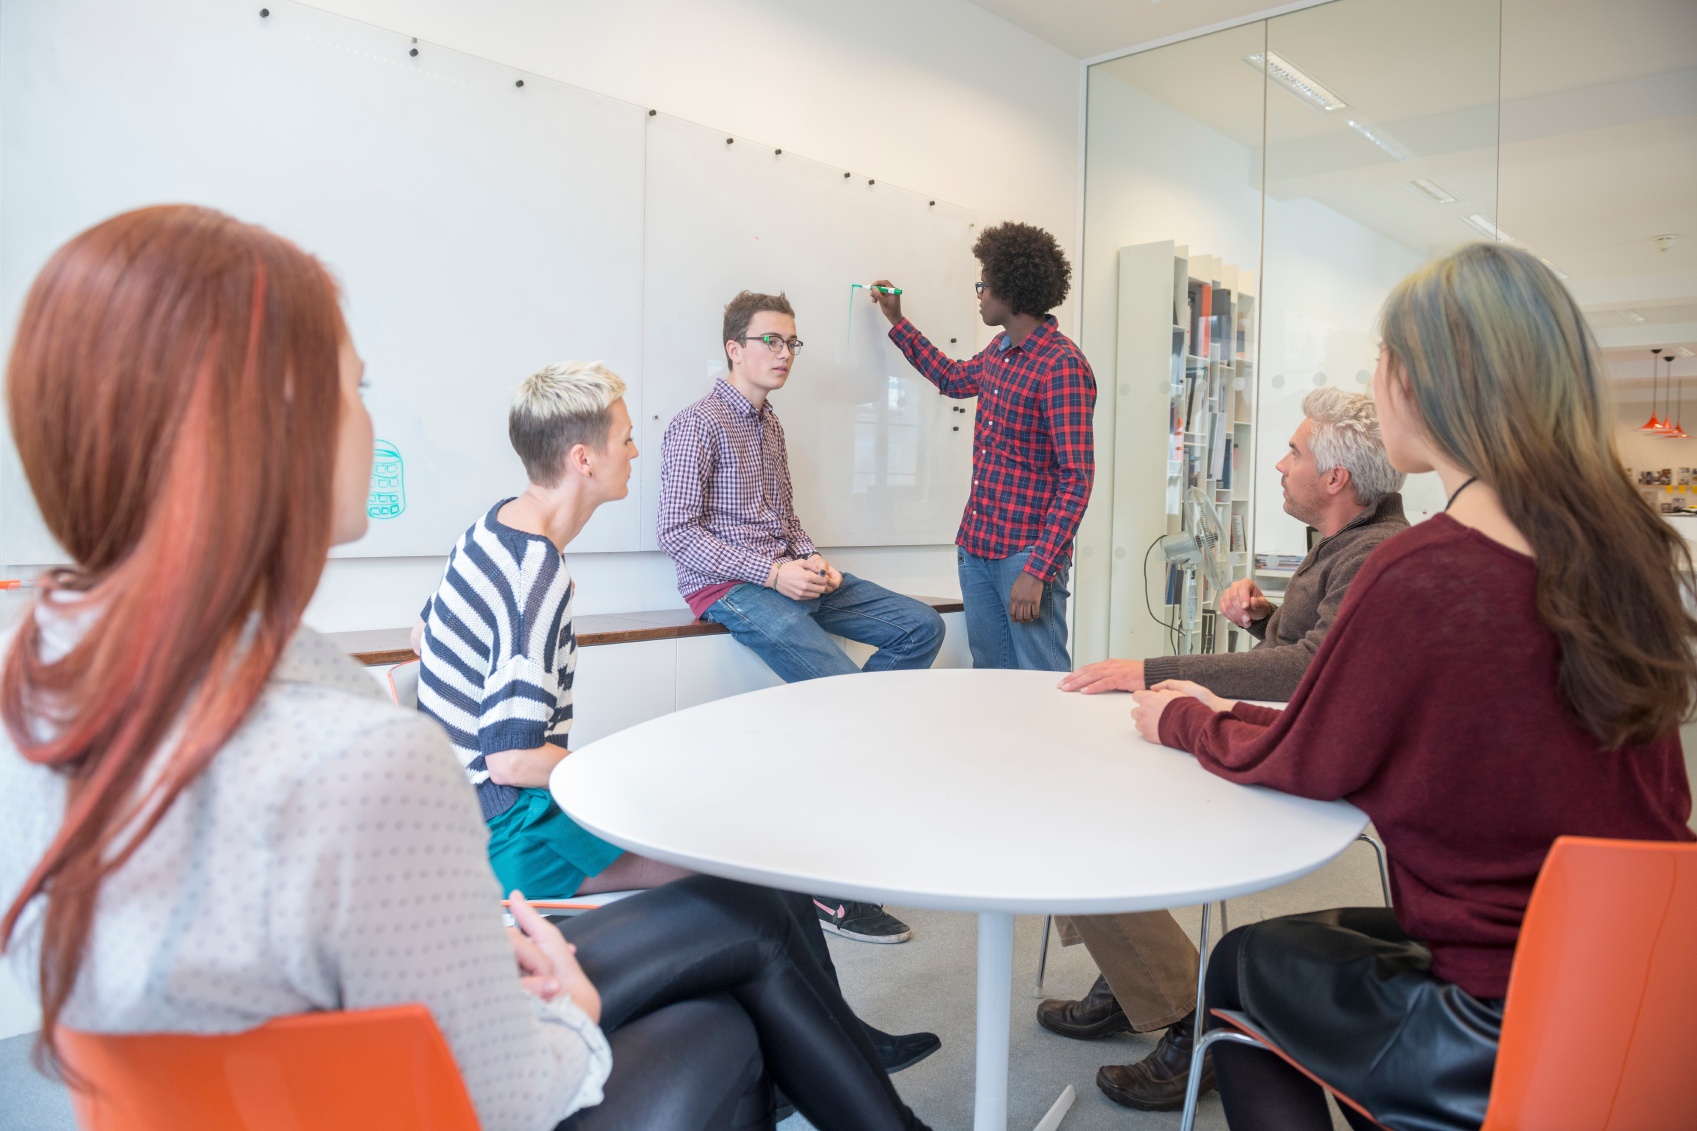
x: 388, y: 497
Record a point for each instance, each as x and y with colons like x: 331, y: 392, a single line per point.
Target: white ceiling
x: 1598, y: 121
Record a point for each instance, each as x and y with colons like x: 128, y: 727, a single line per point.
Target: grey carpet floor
x: 929, y: 983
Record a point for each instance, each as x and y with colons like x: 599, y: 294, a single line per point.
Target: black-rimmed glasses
x: 978, y: 288
x: 775, y: 342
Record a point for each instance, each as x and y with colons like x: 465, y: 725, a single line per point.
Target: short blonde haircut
x: 558, y: 407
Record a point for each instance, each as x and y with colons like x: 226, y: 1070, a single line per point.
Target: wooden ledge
x: 378, y: 646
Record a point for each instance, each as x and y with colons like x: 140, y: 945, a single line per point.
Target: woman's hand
x: 1147, y: 713
x: 1196, y: 691
x: 1151, y: 704
x: 548, y: 964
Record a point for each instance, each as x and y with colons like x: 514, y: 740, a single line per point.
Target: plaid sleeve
x: 800, y: 544
x: 1068, y: 405
x: 952, y: 378
x: 686, y: 487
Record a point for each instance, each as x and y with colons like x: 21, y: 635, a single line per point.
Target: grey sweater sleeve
x: 1272, y: 669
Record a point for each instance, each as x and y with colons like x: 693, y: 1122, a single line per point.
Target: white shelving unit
x: 1166, y: 414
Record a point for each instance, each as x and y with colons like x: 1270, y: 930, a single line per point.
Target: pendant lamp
x: 1675, y: 432
x: 1652, y: 425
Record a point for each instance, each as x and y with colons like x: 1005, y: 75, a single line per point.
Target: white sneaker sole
x: 884, y: 939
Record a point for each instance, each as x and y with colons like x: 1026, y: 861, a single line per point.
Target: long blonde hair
x: 1497, y: 360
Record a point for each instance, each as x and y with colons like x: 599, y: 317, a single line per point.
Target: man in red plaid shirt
x: 1033, y: 448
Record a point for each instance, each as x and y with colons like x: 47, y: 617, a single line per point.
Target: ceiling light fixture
x: 1380, y: 138
x: 1653, y: 425
x: 1479, y: 223
x: 1682, y: 351
x: 1303, y: 85
x: 1633, y: 316
x: 1432, y: 191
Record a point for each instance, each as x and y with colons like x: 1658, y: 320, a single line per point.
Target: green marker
x: 876, y: 287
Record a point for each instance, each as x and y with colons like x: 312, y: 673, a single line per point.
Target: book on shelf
x: 1277, y: 561
x: 1227, y: 465
x: 1175, y: 585
x: 1220, y: 444
x: 1237, y: 540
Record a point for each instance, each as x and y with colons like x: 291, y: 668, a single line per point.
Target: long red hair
x: 174, y: 395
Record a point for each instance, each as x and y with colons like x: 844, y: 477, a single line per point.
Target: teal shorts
x: 535, y: 848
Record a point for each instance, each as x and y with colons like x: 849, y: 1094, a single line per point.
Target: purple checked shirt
x: 727, y: 510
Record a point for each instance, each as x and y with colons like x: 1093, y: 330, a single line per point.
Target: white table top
x: 949, y: 789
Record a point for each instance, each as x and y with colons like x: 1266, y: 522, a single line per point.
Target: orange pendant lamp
x: 1675, y: 432
x: 1654, y: 426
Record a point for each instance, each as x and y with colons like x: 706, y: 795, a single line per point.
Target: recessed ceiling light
x: 1305, y: 86
x: 1632, y: 316
x: 1432, y: 191
x: 1381, y: 139
x: 1479, y: 223
x: 1684, y: 352
x: 1560, y: 274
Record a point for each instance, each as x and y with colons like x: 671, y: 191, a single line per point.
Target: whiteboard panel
x: 877, y: 455
x: 479, y: 229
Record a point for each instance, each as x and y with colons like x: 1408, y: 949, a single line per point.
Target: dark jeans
x: 702, y: 982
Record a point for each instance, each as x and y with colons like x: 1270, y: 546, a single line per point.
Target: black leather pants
x: 1352, y: 999
x: 704, y: 980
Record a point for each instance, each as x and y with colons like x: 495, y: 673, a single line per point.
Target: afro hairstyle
x: 1024, y: 267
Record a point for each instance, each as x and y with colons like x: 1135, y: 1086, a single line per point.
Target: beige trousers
x: 1148, y: 960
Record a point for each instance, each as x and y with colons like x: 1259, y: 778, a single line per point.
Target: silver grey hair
x: 1346, y: 435
x: 561, y: 405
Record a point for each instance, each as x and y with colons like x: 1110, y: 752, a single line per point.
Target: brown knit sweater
x: 1292, y: 634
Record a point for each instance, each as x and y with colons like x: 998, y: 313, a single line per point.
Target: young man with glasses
x: 727, y: 519
x: 1033, y: 448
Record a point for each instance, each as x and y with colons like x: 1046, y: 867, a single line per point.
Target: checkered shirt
x: 727, y: 510
x: 1033, y: 447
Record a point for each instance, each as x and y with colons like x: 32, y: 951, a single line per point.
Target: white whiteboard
x: 877, y: 455
x: 481, y: 229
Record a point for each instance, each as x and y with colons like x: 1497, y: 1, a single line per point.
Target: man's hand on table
x: 1152, y: 703
x: 1105, y: 675
x: 1243, y: 604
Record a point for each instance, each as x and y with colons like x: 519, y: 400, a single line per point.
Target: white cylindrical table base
x: 995, y: 1003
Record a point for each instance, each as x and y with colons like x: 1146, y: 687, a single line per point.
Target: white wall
x: 941, y: 97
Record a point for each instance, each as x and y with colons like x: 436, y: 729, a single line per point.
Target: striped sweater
x: 499, y: 651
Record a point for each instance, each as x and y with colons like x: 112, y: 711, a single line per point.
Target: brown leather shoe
x: 1157, y: 1082
x: 1097, y: 1015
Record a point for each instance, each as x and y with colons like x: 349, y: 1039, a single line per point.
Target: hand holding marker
x: 887, y: 296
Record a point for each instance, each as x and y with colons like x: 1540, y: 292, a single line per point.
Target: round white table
x: 965, y: 788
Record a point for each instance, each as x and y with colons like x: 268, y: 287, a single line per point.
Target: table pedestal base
x: 995, y: 1002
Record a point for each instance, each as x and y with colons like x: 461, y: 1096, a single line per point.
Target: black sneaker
x: 863, y: 922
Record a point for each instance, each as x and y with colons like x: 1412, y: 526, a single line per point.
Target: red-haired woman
x: 207, y: 814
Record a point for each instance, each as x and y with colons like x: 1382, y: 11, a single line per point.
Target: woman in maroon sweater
x: 1508, y: 672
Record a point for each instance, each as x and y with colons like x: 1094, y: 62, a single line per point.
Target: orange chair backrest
x: 369, y: 1070
x: 1600, y: 1026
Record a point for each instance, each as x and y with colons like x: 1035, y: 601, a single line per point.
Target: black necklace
x: 1470, y: 482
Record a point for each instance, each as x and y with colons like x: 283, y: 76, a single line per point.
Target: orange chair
x: 1600, y: 1024
x: 370, y: 1070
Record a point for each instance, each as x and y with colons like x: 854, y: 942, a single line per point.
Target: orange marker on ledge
x: 17, y: 584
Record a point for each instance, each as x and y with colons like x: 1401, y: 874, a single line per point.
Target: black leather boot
x: 1096, y: 1015
x: 1157, y: 1082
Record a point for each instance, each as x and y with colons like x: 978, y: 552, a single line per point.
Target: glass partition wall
x: 1251, y: 196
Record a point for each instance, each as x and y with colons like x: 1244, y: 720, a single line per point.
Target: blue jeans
x: 986, y: 585
x: 792, y: 636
